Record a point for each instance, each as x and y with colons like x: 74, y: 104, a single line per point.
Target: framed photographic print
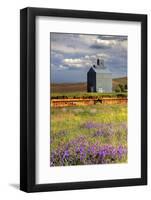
x: 83, y: 95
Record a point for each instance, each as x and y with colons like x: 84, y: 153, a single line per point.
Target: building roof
x: 100, y: 70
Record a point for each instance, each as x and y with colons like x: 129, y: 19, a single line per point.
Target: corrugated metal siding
x: 104, y: 82
x: 99, y: 79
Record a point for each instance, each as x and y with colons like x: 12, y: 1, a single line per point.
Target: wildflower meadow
x: 84, y: 135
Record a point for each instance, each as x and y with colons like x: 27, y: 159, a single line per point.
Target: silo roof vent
x: 100, y: 64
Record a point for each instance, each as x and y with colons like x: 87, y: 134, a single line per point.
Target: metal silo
x: 99, y: 78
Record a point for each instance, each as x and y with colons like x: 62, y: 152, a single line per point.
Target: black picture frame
x: 28, y: 99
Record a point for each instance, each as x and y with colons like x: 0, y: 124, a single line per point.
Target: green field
x: 88, y: 135
x: 87, y: 95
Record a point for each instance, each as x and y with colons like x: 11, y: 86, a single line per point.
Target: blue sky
x: 72, y: 55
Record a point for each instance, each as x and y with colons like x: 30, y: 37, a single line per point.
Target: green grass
x: 87, y: 94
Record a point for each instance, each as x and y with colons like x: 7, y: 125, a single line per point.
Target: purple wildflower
x: 99, y: 132
x: 66, y: 154
x: 84, y: 152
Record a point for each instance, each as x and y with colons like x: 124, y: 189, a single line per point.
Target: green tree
x: 118, y: 89
x: 121, y: 87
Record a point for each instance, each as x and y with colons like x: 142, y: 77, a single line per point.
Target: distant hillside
x: 68, y: 87
x: 117, y: 81
x: 81, y: 87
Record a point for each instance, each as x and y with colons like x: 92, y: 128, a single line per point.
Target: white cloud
x: 77, y: 62
x: 124, y: 44
x: 85, y: 61
x: 77, y: 52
